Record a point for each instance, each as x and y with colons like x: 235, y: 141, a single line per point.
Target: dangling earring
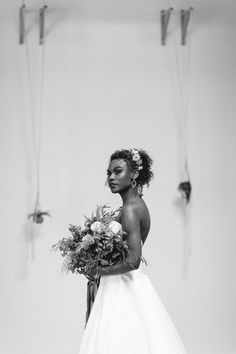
x: 140, y: 190
x: 133, y: 183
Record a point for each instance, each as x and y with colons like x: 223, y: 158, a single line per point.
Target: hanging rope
x: 37, y: 215
x: 185, y: 188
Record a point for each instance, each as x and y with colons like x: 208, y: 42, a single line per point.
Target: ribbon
x: 92, y: 288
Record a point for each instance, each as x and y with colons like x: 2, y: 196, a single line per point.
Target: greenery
x: 101, y: 242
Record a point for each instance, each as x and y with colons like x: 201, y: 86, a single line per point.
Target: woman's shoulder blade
x: 140, y: 208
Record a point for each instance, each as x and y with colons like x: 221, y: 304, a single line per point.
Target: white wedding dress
x: 128, y: 317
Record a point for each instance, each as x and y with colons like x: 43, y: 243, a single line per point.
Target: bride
x: 127, y: 316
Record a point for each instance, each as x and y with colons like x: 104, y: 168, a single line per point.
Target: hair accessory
x: 136, y: 158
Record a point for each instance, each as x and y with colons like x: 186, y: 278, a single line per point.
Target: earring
x: 133, y: 183
x: 140, y: 190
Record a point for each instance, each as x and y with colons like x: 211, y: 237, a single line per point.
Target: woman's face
x: 119, y: 175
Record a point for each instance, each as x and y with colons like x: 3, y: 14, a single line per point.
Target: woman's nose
x: 111, y: 177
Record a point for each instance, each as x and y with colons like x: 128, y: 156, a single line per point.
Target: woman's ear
x: 135, y: 175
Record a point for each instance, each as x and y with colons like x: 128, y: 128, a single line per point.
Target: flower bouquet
x: 100, y: 243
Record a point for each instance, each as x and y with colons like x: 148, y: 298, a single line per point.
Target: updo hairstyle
x: 145, y: 172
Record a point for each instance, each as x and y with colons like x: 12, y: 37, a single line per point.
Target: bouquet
x: 101, y: 242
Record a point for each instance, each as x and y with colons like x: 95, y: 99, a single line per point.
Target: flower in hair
x: 136, y: 157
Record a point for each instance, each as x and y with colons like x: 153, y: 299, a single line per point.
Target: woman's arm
x: 130, y: 224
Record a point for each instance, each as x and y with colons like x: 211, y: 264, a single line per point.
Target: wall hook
x: 165, y: 17
x: 42, y: 11
x: 22, y: 24
x: 185, y: 17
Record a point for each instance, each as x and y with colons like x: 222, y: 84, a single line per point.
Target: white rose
x: 97, y: 226
x: 115, y: 227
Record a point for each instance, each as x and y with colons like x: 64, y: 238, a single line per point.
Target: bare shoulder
x: 137, y: 208
x: 135, y: 214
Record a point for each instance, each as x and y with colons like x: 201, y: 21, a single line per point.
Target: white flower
x: 136, y: 157
x: 97, y: 226
x: 87, y: 238
x: 115, y: 227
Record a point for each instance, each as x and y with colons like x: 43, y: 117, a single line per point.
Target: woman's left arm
x: 130, y: 224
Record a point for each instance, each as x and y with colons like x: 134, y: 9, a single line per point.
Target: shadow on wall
x: 25, y: 248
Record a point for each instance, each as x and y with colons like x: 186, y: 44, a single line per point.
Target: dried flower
x: 37, y: 216
x: 185, y: 190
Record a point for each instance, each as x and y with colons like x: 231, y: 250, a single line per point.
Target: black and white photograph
x: 118, y: 177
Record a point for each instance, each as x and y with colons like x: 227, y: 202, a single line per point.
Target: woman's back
x: 143, y: 215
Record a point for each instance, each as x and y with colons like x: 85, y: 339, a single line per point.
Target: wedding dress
x: 128, y: 317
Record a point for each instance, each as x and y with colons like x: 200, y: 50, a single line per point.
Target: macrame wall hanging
x: 36, y: 115
x: 183, y: 65
x: 182, y: 53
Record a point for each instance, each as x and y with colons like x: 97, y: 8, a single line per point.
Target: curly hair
x: 145, y: 174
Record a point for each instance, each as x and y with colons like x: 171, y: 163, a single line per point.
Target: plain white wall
x: 110, y: 85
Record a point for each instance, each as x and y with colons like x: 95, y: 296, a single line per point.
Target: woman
x: 127, y: 316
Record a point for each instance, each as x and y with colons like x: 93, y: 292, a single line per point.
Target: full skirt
x: 128, y: 317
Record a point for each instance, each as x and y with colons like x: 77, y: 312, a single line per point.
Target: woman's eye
x: 116, y: 172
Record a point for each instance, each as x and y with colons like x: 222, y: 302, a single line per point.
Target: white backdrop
x: 110, y: 85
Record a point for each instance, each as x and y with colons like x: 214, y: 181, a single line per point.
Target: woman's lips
x: 112, y: 184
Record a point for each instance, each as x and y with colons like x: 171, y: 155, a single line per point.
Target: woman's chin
x: 114, y: 189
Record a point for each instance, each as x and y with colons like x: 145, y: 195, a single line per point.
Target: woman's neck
x: 129, y: 194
